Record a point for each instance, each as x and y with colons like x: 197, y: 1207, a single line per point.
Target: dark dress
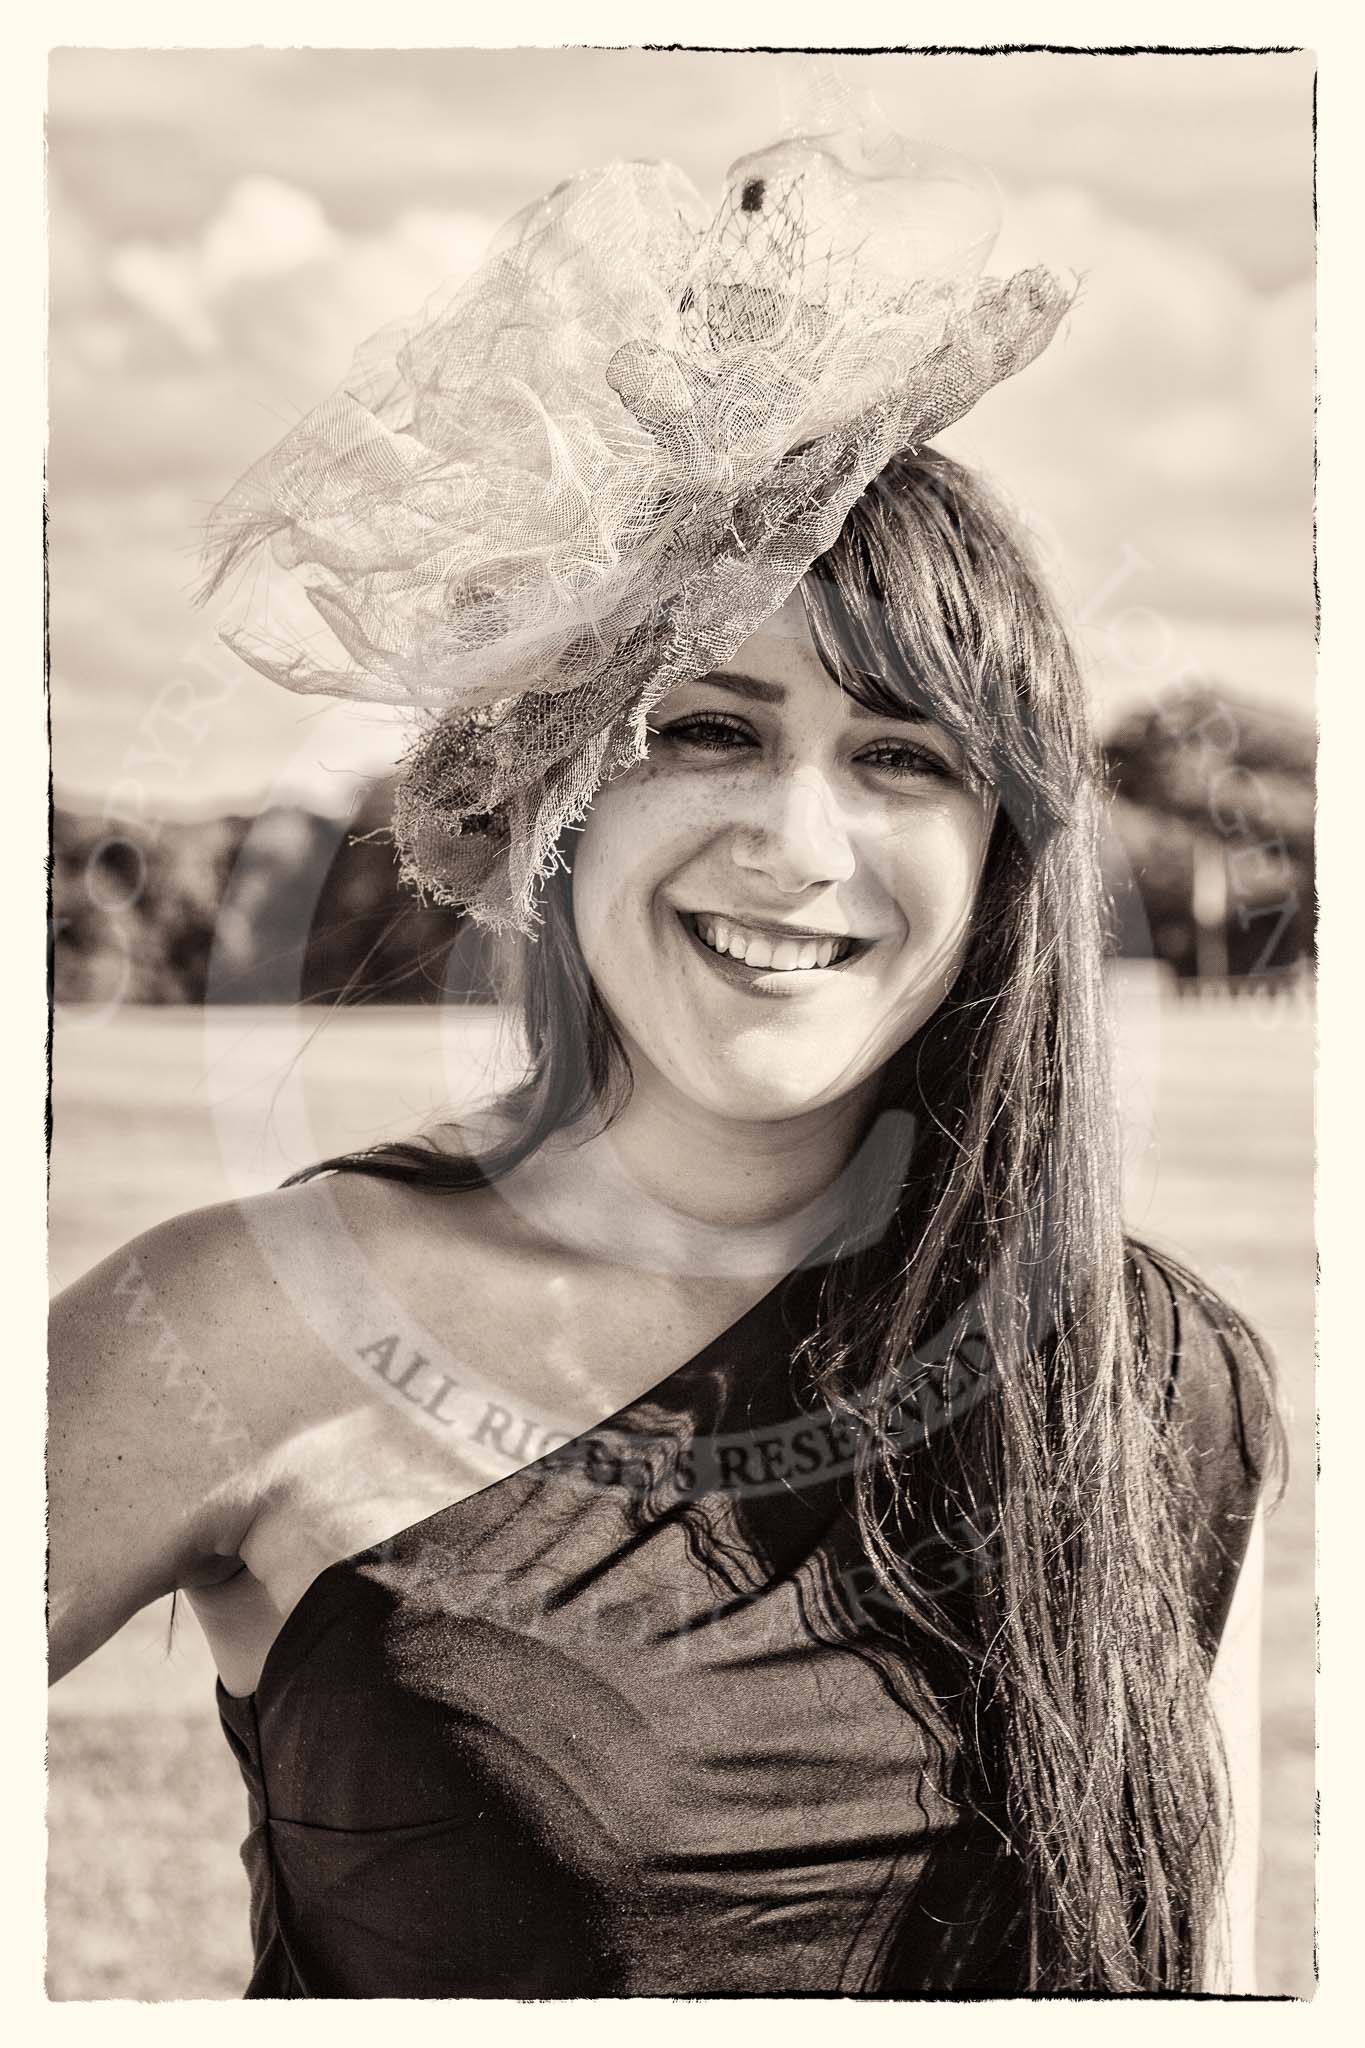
x: 623, y: 1723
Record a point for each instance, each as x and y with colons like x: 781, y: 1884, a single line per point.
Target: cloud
x: 269, y: 283
x: 265, y: 229
x: 1173, y: 415
x: 187, y: 358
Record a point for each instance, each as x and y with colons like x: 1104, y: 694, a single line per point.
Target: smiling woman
x: 849, y: 1621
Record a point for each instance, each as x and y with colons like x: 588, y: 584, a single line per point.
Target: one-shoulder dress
x: 618, y: 1724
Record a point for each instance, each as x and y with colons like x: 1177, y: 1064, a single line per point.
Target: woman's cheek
x: 935, y: 867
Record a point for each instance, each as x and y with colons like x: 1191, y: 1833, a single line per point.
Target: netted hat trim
x: 593, y: 470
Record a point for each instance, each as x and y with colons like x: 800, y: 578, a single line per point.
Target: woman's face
x: 837, y: 850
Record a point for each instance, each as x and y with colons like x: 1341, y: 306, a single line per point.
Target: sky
x: 226, y: 226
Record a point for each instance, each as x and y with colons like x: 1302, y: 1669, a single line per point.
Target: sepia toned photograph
x: 683, y: 998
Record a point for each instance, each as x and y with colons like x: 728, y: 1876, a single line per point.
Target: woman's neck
x: 672, y: 1187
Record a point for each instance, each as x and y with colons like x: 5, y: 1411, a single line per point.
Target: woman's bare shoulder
x: 239, y: 1285
x: 214, y: 1260
x: 190, y: 1370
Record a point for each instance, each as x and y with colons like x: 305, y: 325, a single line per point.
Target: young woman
x: 738, y: 1517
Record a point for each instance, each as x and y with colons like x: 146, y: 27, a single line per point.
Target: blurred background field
x: 161, y: 1109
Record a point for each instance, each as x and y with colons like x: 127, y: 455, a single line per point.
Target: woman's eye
x: 710, y: 730
x: 903, y: 759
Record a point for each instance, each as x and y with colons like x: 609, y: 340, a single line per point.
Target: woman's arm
x: 152, y: 1461
x: 1236, y: 1696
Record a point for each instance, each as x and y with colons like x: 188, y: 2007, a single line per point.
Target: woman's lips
x: 782, y: 957
x: 782, y: 947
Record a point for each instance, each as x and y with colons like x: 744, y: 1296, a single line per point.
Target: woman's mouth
x: 767, y: 952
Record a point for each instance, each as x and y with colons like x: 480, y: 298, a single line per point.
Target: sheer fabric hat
x: 591, y: 471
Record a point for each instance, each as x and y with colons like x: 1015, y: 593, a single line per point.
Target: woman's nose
x: 801, y: 838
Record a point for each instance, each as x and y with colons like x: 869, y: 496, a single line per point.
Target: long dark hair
x: 1080, y: 1680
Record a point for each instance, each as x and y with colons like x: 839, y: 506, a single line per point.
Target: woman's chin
x: 764, y: 1096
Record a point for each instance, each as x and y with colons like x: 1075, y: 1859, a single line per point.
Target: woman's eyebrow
x: 760, y: 692
x: 746, y: 686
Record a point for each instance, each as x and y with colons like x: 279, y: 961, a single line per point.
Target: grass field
x: 156, y: 1111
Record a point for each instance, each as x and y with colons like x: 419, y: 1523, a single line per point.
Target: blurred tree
x: 284, y: 907
x: 1212, y: 821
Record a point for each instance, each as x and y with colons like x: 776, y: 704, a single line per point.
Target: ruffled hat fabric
x: 590, y: 473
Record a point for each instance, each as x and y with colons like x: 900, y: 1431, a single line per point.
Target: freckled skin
x: 807, y: 812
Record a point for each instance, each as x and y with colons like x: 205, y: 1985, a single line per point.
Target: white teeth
x: 757, y: 949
